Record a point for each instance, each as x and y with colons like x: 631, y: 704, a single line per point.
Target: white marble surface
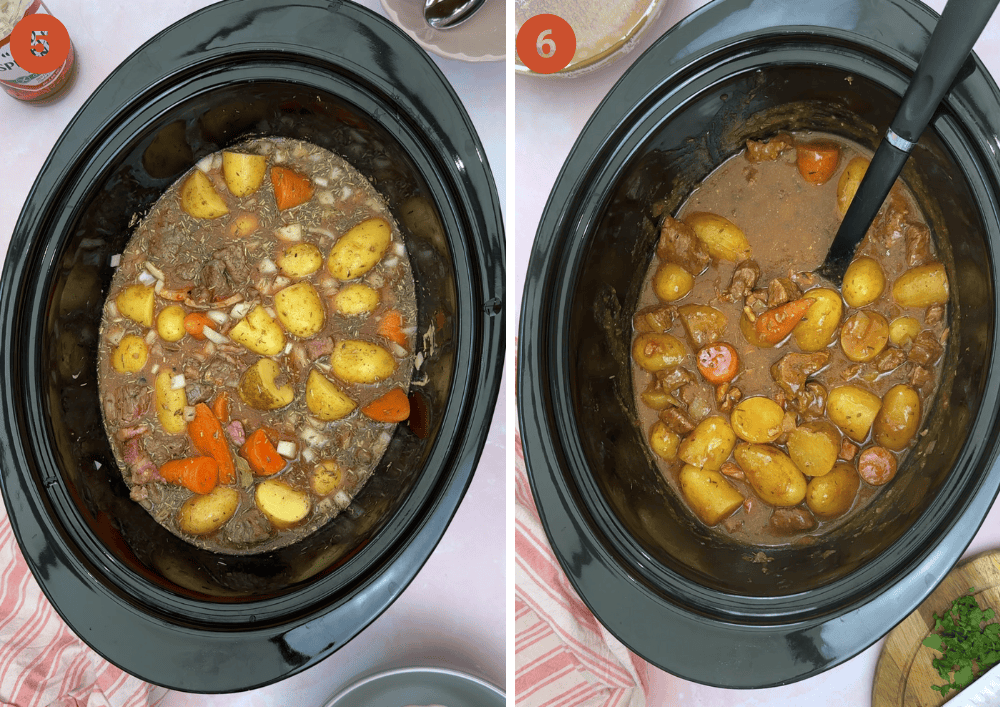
x: 453, y: 614
x: 549, y: 114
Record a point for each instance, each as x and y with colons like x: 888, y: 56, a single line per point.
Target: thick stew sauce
x: 256, y: 346
x: 777, y: 404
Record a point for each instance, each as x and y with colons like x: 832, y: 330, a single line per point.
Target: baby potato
x: 199, y: 198
x: 708, y: 494
x: 847, y: 187
x: 243, y: 173
x: 903, y: 330
x: 853, y: 410
x: 671, y: 282
x: 722, y: 237
x: 653, y: 351
x: 281, y: 504
x: 360, y: 249
x: 897, y: 421
x: 921, y: 286
x: 772, y: 474
x: 170, y: 404
x: 361, y: 362
x: 357, y: 299
x: 833, y: 494
x: 664, y: 441
x: 703, y: 324
x: 326, y: 477
x: 300, y: 309
x: 709, y: 444
x: 815, y: 330
x: 757, y: 419
x: 259, y: 333
x: 130, y: 355
x: 170, y: 323
x: 749, y: 331
x: 814, y: 447
x: 300, y: 260
x: 258, y: 389
x: 864, y: 282
x: 136, y: 302
x: 864, y: 336
x: 325, y: 400
x: 206, y: 513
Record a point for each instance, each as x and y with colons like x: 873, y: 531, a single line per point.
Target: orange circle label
x: 546, y: 44
x: 39, y: 44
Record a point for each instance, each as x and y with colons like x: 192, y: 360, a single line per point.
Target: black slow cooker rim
x: 619, y: 571
x: 296, y: 630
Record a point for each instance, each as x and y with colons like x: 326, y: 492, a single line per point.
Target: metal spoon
x: 445, y: 14
x: 950, y: 44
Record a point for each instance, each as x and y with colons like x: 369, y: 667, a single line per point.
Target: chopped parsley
x: 968, y: 642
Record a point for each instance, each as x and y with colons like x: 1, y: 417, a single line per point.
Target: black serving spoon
x: 950, y: 44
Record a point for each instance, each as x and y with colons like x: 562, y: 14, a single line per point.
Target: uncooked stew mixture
x: 256, y: 346
x: 777, y: 405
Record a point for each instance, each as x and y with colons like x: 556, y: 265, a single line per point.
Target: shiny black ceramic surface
x: 679, y: 596
x: 346, y: 79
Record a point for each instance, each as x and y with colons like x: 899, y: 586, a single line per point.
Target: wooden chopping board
x: 904, y: 674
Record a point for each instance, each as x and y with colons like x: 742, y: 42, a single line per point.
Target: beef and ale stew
x: 777, y: 405
x: 256, y: 346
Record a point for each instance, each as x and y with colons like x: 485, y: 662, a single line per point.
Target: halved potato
x: 921, y: 286
x: 853, y: 410
x: 300, y: 260
x: 326, y: 477
x: 136, y: 302
x: 361, y: 362
x: 199, y: 198
x: 130, y: 355
x: 772, y: 474
x: 325, y: 400
x: 170, y: 404
x: 300, y: 309
x: 259, y: 333
x: 722, y: 237
x: 360, y: 249
x: 258, y: 389
x: 356, y: 299
x: 243, y: 173
x: 709, y: 495
x: 201, y: 515
x: 281, y: 504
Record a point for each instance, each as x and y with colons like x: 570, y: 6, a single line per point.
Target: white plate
x: 482, y: 37
x: 419, y: 687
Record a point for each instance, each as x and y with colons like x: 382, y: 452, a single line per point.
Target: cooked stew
x: 776, y: 404
x: 255, y: 350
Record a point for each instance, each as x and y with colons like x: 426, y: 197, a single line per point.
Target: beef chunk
x: 726, y: 396
x: 166, y: 241
x: 235, y: 260
x: 770, y: 149
x: 848, y: 449
x: 890, y: 223
x: 788, y: 521
x: 657, y: 317
x: 780, y: 291
x: 221, y: 372
x: 704, y: 325
x: 197, y: 393
x: 791, y: 371
x: 698, y: 398
x: 732, y: 471
x: 918, y: 244
x: 920, y: 377
x: 926, y: 349
x: 934, y: 314
x: 131, y: 401
x: 678, y: 244
x: 251, y: 527
x: 811, y: 401
x: 744, y: 278
x: 674, y: 377
x: 677, y: 420
x: 889, y: 360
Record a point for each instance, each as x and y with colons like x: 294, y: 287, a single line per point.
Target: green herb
x: 969, y: 644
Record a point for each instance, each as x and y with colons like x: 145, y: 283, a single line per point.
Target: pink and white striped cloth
x: 42, y: 662
x: 564, y: 657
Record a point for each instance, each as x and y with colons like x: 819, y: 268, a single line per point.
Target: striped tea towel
x: 42, y: 662
x: 563, y: 656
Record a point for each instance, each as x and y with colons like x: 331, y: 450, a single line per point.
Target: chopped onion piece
x: 409, y: 330
x: 217, y: 160
x: 240, y: 310
x: 205, y: 163
x: 325, y: 197
x: 313, y: 437
x: 188, y: 413
x: 151, y: 336
x: 286, y: 449
x: 321, y: 181
x: 115, y: 259
x: 154, y: 271
x: 400, y: 249
x: 288, y: 348
x: 336, y: 173
x: 345, y: 193
x: 281, y: 281
x: 158, y: 287
x: 178, y: 382
x: 322, y: 231
x: 214, y: 336
x: 385, y: 438
x: 270, y: 312
x: 398, y: 350
x: 342, y: 499
x: 155, y: 369
x: 391, y: 261
x: 209, y: 348
x: 267, y: 266
x: 291, y: 232
x: 217, y: 316
x: 146, y: 278
x: 111, y: 310
x: 308, y: 455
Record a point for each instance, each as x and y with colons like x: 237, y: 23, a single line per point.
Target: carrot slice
x: 261, y: 454
x: 200, y: 474
x: 817, y: 161
x: 195, y: 323
x: 877, y: 466
x: 718, y: 363
x: 391, y: 327
x: 775, y: 324
x: 394, y: 406
x: 220, y: 407
x: 208, y: 438
x: 290, y: 188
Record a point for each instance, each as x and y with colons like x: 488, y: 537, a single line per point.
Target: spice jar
x: 21, y: 83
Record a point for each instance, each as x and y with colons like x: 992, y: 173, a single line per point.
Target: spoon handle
x: 950, y: 44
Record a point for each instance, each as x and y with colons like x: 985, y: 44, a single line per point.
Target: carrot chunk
x: 200, y: 474
x: 220, y: 407
x: 208, y: 438
x: 195, y: 323
x: 391, y: 327
x: 290, y: 188
x: 394, y: 406
x: 718, y: 363
x: 817, y: 161
x: 262, y: 455
x: 775, y: 324
x: 877, y: 466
